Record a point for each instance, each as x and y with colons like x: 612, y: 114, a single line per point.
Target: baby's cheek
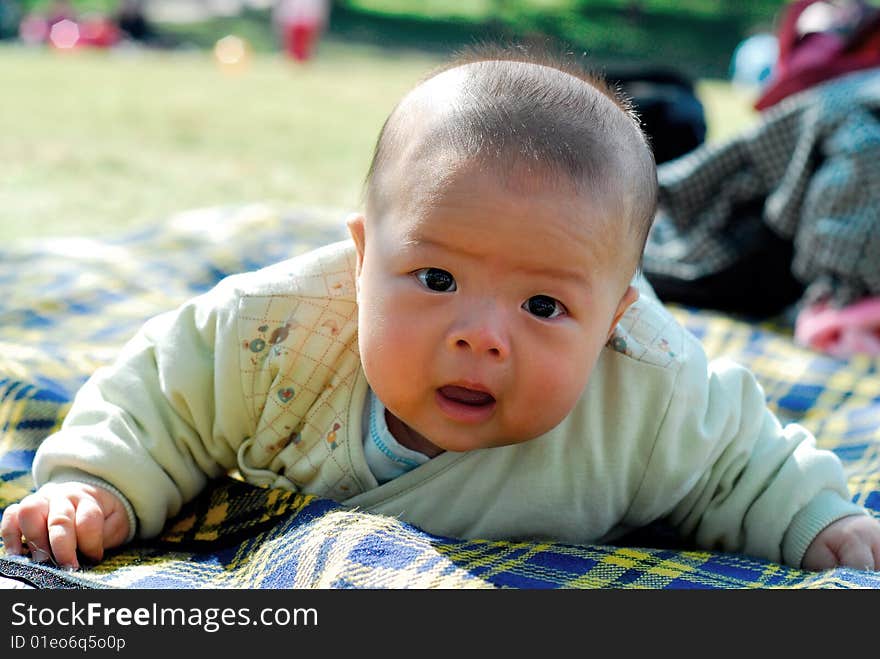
x: 387, y: 355
x: 556, y: 386
x: 553, y: 394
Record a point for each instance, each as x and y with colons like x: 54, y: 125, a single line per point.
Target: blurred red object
x: 299, y: 40
x: 98, y: 33
x: 66, y: 33
x: 821, y: 40
x: 300, y: 24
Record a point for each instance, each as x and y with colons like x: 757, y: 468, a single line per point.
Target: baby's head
x: 507, y: 207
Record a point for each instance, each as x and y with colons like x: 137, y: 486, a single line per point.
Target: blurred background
x: 116, y: 114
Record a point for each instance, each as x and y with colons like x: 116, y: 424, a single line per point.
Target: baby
x: 476, y: 360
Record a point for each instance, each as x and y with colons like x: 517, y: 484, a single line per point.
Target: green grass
x: 103, y: 142
x: 83, y: 6
x: 696, y: 36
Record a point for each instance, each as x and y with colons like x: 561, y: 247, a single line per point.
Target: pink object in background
x: 33, y: 30
x: 67, y: 33
x: 851, y: 330
x: 840, y: 37
x: 300, y: 24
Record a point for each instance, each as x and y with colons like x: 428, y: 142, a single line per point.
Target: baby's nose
x: 482, y: 334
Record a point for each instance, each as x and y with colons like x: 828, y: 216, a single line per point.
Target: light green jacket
x: 262, y: 374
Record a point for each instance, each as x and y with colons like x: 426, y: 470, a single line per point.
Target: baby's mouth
x: 465, y: 405
x: 465, y: 396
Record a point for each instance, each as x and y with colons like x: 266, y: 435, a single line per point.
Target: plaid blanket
x: 68, y: 305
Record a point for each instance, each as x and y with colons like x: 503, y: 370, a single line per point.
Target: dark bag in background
x: 672, y: 115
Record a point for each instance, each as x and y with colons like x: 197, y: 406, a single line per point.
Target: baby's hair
x: 518, y: 110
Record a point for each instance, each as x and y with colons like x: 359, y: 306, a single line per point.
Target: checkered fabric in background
x: 809, y: 171
x: 68, y: 305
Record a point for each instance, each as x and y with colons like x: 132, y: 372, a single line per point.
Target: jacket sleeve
x: 164, y: 418
x: 731, y: 476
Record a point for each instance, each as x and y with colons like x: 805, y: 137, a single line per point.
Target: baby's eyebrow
x: 410, y: 241
x: 422, y: 241
x: 572, y: 276
x: 545, y: 271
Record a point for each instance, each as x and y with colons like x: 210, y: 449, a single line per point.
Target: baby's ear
x: 629, y: 296
x: 355, y: 223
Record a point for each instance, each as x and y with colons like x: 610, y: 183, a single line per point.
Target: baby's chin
x: 471, y: 439
x: 440, y: 427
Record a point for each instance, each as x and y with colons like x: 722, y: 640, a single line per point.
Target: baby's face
x: 482, y: 311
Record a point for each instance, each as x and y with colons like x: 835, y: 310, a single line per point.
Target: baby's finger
x: 857, y: 555
x: 32, y: 514
x: 819, y: 557
x: 62, y: 534
x: 10, y: 531
x: 90, y: 528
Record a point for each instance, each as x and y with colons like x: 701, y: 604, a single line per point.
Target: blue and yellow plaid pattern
x: 68, y: 305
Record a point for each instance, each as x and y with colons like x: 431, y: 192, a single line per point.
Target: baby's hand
x: 60, y: 518
x: 849, y: 542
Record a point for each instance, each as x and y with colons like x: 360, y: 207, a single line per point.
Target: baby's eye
x: 436, y: 279
x: 544, y: 306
